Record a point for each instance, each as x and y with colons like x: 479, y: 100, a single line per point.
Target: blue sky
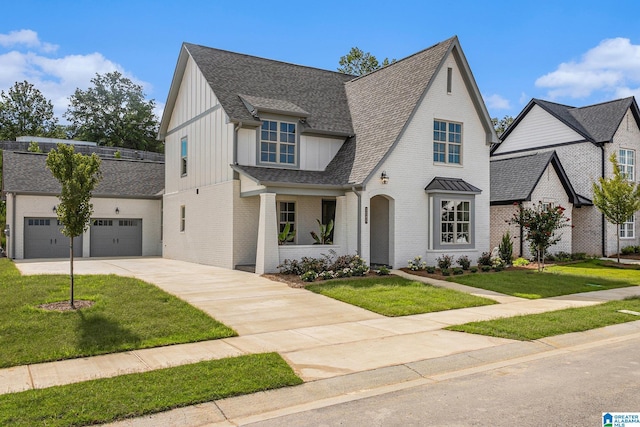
x: 572, y: 52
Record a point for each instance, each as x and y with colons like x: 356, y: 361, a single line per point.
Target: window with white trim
x: 455, y: 222
x: 183, y: 156
x: 627, y: 162
x: 278, y: 142
x: 183, y: 218
x: 447, y: 142
x: 628, y: 229
x: 286, y: 215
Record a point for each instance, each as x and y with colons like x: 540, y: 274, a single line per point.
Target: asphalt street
x: 570, y: 389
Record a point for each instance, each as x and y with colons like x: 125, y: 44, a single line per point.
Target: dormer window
x: 278, y: 142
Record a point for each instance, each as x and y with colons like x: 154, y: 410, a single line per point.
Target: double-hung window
x: 455, y: 222
x: 627, y: 229
x: 278, y: 142
x: 183, y: 156
x: 447, y: 142
x: 627, y: 162
x: 287, y: 215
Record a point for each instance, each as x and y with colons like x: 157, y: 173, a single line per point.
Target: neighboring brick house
x: 127, y: 208
x: 583, y: 140
x: 529, y: 180
x: 398, y: 158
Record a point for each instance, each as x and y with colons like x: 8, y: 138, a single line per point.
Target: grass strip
x: 396, y: 296
x: 536, y: 326
x: 134, y: 395
x: 127, y: 314
x: 533, y: 285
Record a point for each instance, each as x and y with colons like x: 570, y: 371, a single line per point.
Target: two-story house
x: 398, y: 159
x: 572, y: 146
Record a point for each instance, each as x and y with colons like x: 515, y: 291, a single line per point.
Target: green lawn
x: 558, y: 280
x: 396, y: 296
x: 127, y: 314
x: 134, y: 395
x: 535, y: 326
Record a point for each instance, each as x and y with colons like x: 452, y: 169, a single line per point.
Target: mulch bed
x: 66, y: 306
x: 295, y: 282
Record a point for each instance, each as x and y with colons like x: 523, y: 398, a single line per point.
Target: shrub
x: 457, y: 271
x: 416, y: 264
x: 473, y: 269
x: 486, y: 268
x: 636, y: 249
x: 498, y: 267
x: 549, y: 257
x: 317, y: 265
x: 431, y: 269
x: 445, y: 272
x: 580, y: 256
x: 520, y: 262
x: 309, y: 276
x: 563, y: 256
x: 383, y: 271
x: 505, y: 248
x: 290, y: 266
x: 485, y: 259
x: 627, y: 250
x: 464, y: 262
x: 326, y: 275
x: 444, y: 262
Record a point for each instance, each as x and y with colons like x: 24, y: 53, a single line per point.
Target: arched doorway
x: 380, y: 230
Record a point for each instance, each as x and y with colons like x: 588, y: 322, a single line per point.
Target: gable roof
x: 596, y: 123
x: 383, y: 102
x: 514, y: 179
x: 27, y: 173
x: 316, y: 95
x: 371, y: 111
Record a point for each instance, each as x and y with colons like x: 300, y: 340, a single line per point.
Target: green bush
x: 485, y: 259
x: 627, y: 250
x: 521, y: 262
x: 416, y: 264
x: 498, y: 267
x: 458, y: 271
x: 473, y: 269
x: 563, y: 256
x: 505, y: 248
x: 383, y: 271
x: 580, y: 256
x: 309, y: 276
x: 431, y: 269
x: 444, y: 262
x: 445, y: 272
x: 486, y: 268
x: 464, y: 262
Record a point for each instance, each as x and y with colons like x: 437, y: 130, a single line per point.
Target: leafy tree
x: 25, y: 111
x: 358, y: 63
x: 501, y: 125
x: 540, y: 224
x: 114, y: 112
x: 78, y: 174
x: 617, y: 198
x: 3, y: 212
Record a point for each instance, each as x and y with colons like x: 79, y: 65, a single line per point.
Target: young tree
x: 501, y: 125
x: 25, y: 111
x: 78, y: 175
x: 358, y: 63
x: 114, y: 113
x: 540, y: 224
x: 617, y: 198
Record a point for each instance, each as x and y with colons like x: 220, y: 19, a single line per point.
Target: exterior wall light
x: 55, y: 209
x: 117, y: 211
x: 384, y: 177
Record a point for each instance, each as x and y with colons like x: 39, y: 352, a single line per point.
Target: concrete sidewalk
x: 319, y: 337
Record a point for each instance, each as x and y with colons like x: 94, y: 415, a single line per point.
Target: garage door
x: 43, y: 239
x: 116, y: 237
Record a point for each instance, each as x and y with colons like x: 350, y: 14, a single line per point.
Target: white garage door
x: 116, y: 237
x: 43, y: 239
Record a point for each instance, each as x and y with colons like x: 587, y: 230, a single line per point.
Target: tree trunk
x: 71, y: 269
x: 618, y: 239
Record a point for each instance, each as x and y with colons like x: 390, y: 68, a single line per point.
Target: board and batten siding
x: 198, y: 116
x: 538, y: 129
x: 411, y: 168
x: 315, y: 151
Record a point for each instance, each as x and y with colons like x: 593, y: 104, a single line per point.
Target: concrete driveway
x: 246, y: 302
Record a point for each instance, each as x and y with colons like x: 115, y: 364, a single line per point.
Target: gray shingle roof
x: 265, y: 176
x: 597, y: 123
x: 319, y: 93
x: 451, y: 185
x: 27, y: 173
x: 514, y: 179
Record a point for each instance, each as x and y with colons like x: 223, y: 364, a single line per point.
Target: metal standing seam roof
x: 25, y: 172
x: 456, y: 185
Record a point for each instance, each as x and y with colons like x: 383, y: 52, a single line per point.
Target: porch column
x: 340, y: 224
x: 267, y: 254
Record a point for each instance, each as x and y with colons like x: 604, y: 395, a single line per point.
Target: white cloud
x: 609, y: 67
x: 56, y: 77
x: 27, y: 38
x: 497, y: 102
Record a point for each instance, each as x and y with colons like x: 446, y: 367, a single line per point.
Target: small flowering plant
x: 416, y: 264
x: 540, y: 224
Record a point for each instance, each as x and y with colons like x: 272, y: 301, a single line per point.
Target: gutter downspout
x: 359, y: 195
x: 603, y: 222
x: 235, y: 148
